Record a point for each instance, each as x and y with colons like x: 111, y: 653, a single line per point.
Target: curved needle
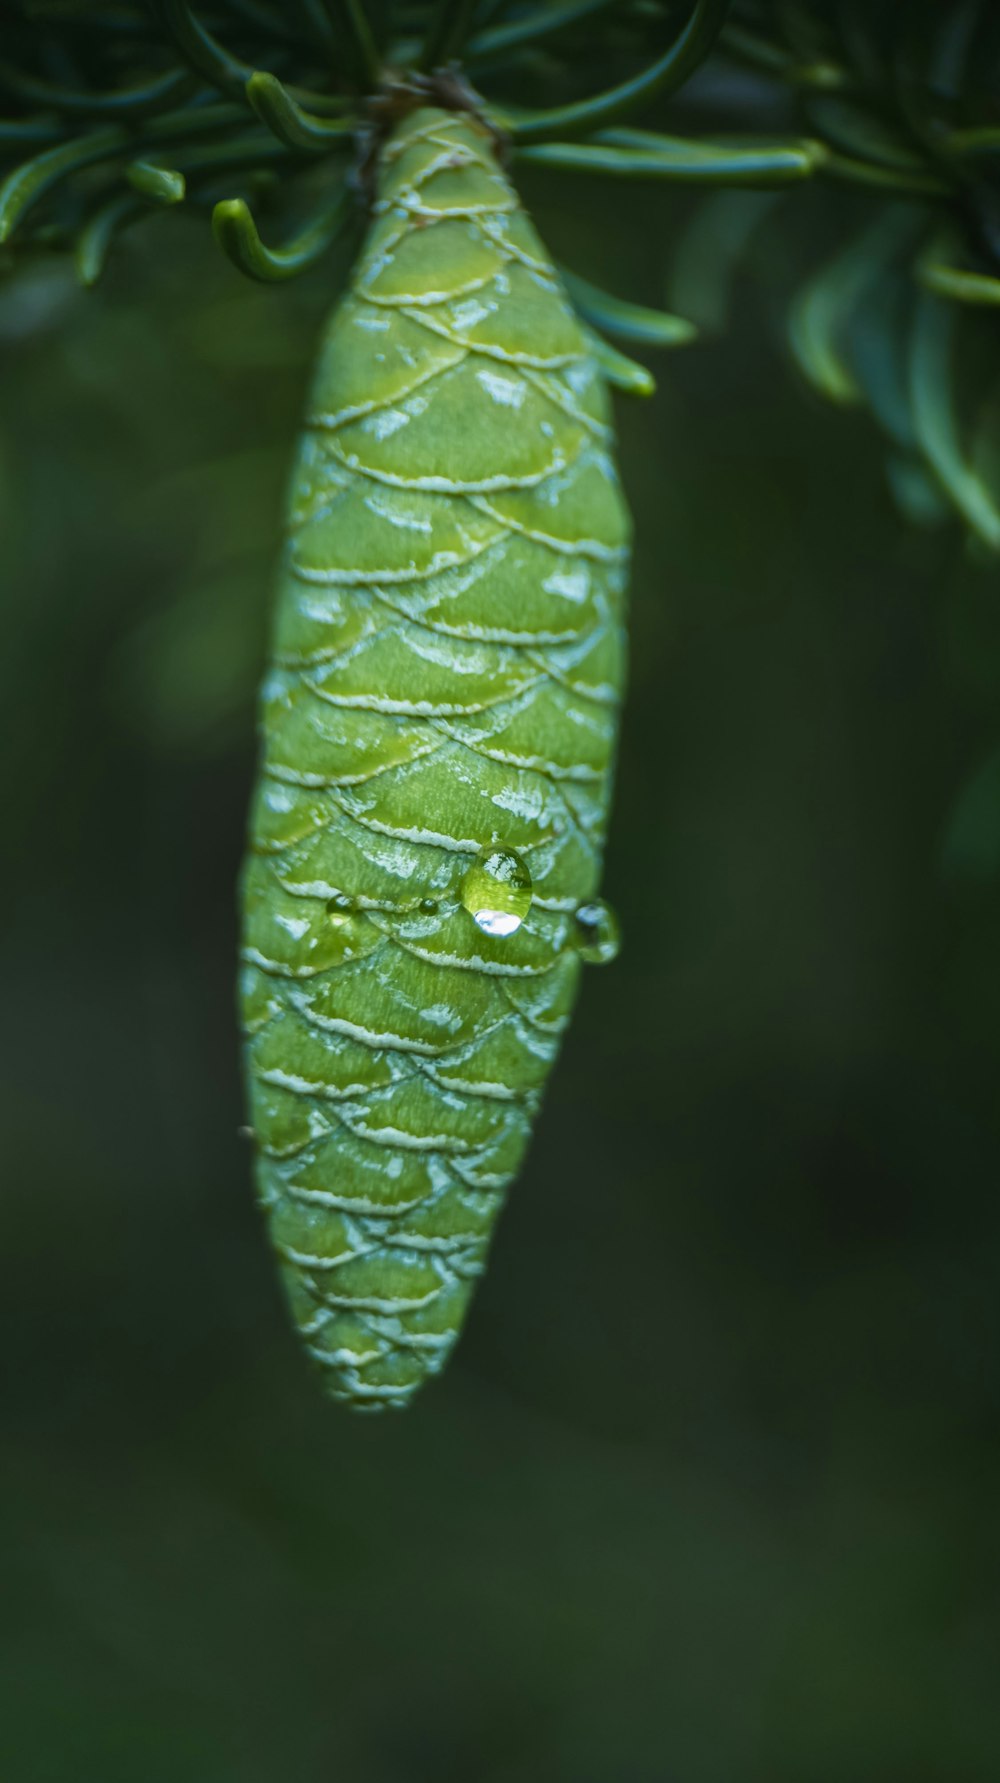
x: 239, y: 238
x: 27, y: 183
x: 621, y: 372
x: 161, y: 185
x: 631, y: 154
x: 626, y: 321
x: 665, y: 75
x: 95, y: 238
x: 935, y: 422
x: 290, y: 123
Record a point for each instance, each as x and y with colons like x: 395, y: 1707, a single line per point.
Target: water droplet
x: 598, y: 937
x: 497, y: 891
x: 340, y: 907
x: 428, y: 906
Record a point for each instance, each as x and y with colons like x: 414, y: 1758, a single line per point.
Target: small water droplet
x: 340, y: 907
x: 496, y: 891
x: 428, y: 906
x: 598, y: 937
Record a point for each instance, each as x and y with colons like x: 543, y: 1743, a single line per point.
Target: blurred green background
x: 709, y: 1493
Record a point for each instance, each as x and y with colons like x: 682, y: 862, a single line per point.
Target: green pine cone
x: 439, y: 728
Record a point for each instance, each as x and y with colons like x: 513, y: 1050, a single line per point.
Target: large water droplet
x: 497, y: 891
x: 598, y: 937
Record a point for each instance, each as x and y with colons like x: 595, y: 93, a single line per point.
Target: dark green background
x: 709, y: 1494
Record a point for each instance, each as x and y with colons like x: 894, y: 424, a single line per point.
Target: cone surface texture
x: 439, y: 717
